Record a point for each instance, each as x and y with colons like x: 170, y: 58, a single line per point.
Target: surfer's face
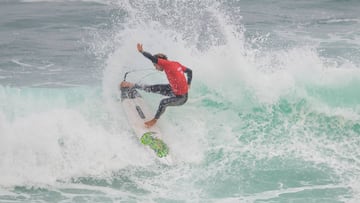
x: 158, y: 67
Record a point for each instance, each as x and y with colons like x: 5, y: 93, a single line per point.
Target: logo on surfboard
x: 160, y: 148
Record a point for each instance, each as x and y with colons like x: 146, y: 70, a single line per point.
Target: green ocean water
x: 273, y: 113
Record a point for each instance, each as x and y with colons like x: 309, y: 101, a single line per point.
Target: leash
x: 140, y: 70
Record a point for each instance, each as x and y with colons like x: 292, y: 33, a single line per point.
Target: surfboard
x: 137, y: 112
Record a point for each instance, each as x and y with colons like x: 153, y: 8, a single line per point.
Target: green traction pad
x: 160, y: 148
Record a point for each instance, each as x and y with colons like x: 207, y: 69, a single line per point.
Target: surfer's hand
x: 139, y: 47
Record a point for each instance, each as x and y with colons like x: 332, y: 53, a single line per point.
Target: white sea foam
x: 107, y: 2
x: 58, y: 143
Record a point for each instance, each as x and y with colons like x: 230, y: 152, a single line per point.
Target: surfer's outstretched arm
x: 146, y: 54
x: 151, y: 57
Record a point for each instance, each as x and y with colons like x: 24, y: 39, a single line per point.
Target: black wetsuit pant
x: 173, y: 100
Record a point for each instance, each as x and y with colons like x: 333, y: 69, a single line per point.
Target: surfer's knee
x: 164, y: 102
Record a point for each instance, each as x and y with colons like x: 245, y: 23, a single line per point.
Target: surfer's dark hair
x: 160, y: 55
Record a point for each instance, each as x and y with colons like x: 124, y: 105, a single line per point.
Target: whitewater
x: 273, y: 113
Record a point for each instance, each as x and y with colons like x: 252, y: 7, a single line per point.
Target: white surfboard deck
x: 138, y: 112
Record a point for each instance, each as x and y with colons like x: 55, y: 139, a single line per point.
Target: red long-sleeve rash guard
x: 175, y: 74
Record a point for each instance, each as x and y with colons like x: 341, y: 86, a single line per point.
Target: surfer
x: 176, y: 90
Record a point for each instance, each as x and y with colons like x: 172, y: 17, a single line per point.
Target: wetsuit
x: 176, y: 90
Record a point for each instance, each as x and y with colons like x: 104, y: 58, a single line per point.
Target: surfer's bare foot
x: 126, y: 84
x: 150, y: 123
